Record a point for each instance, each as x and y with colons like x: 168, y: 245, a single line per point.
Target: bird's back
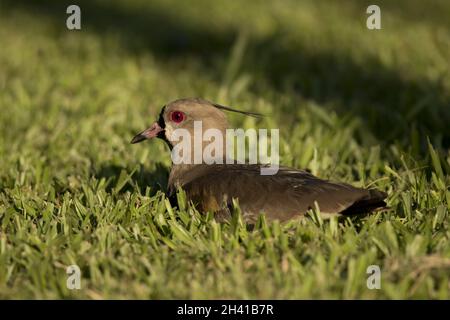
x: 282, y: 196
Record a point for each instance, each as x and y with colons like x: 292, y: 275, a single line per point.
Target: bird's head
x: 183, y: 114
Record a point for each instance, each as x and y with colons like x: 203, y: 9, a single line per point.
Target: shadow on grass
x: 391, y: 107
x: 121, y: 179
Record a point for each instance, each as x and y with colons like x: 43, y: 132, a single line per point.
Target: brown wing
x: 285, y: 195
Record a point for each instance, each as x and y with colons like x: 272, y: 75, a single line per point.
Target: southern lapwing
x: 288, y: 194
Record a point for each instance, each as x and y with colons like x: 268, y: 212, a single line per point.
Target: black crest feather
x: 247, y: 113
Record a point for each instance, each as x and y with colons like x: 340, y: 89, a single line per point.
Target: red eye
x: 177, y: 116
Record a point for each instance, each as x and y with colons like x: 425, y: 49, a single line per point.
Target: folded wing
x: 283, y: 196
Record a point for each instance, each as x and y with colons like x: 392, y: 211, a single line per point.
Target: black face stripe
x: 161, y: 121
x: 162, y: 124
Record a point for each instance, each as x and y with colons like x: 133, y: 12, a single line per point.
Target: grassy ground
x: 367, y: 107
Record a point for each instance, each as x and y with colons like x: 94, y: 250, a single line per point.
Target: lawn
x: 368, y: 107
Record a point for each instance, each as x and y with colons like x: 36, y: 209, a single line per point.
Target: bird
x: 288, y: 194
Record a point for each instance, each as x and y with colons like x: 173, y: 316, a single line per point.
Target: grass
x: 371, y: 108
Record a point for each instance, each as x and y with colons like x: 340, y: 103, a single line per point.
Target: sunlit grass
x: 371, y: 108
